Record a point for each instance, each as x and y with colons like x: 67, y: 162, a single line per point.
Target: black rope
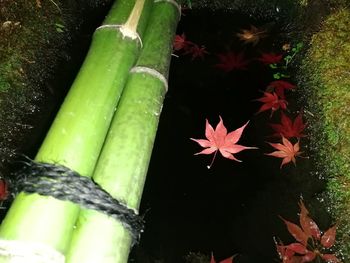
x: 62, y: 183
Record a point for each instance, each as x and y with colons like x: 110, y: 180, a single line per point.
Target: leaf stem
x: 212, y: 161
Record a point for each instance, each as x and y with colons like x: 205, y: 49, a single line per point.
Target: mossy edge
x: 325, y: 88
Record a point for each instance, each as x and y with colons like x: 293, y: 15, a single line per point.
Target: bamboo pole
x: 123, y: 163
x: 77, y: 134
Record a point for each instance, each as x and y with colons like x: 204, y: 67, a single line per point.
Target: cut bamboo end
x: 29, y: 252
x: 130, y: 33
x: 129, y: 29
x: 124, y: 31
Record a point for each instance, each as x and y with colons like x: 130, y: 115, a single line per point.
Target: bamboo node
x: 152, y: 72
x: 125, y: 31
x: 16, y: 251
x: 173, y: 2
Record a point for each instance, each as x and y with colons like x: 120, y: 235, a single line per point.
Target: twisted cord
x: 64, y: 184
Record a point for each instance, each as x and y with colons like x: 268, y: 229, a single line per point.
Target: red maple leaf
x: 287, y: 255
x: 279, y: 86
x: 220, y: 140
x: 3, y: 190
x: 308, y: 226
x: 286, y: 150
x: 227, y: 260
x: 311, y: 243
x: 196, y: 51
x: 180, y: 42
x: 270, y: 58
x: 299, y: 253
x: 289, y: 128
x: 271, y: 101
x: 230, y: 61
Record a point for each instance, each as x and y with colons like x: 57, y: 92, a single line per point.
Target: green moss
x: 327, y: 94
x: 25, y: 27
x: 34, y: 40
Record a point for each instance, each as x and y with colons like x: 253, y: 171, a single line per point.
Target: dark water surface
x: 232, y: 208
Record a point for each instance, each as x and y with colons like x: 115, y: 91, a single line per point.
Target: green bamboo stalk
x: 123, y: 163
x: 80, y: 127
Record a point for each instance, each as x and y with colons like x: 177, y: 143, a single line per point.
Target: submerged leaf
x: 196, y: 51
x: 289, y: 128
x: 180, y: 42
x: 271, y: 102
x: 270, y: 58
x: 279, y: 86
x: 231, y: 61
x: 3, y: 190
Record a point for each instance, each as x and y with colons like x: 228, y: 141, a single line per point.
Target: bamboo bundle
x: 39, y: 228
x: 123, y: 163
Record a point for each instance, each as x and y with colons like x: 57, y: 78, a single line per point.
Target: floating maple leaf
x: 196, y: 51
x: 230, y: 61
x: 311, y: 243
x: 220, y: 140
x: 271, y: 102
x: 227, y: 260
x: 252, y: 35
x: 279, y: 86
x: 289, y: 128
x: 270, y: 58
x: 286, y: 150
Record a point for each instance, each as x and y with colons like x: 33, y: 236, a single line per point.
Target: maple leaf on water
x: 227, y: 260
x: 271, y: 102
x: 279, y: 86
x: 252, y: 35
x: 230, y: 61
x: 220, y: 140
x: 311, y: 243
x: 196, y: 51
x: 289, y: 128
x: 270, y: 58
x: 286, y: 150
